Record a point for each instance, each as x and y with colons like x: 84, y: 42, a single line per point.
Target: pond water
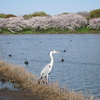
x: 80, y: 69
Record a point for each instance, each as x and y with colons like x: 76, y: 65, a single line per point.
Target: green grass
x: 88, y: 30
x: 5, y: 31
x: 51, y: 31
x: 84, y: 30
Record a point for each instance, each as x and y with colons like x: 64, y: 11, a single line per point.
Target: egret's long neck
x: 52, y: 61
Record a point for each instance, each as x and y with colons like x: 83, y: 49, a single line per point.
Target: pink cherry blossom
x: 94, y: 23
x: 65, y: 21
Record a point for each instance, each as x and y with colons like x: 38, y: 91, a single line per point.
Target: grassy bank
x: 27, y: 81
x: 51, y: 31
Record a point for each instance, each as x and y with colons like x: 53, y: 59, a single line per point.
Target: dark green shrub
x: 10, y: 15
x: 39, y: 14
x: 2, y: 15
x: 95, y: 13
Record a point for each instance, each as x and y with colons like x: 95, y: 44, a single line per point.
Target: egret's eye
x: 52, y: 50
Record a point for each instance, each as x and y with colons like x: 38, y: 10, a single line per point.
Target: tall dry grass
x: 26, y: 80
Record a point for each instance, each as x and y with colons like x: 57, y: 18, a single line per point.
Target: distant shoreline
x: 52, y: 31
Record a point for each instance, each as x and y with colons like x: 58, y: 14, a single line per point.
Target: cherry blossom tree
x: 94, y: 23
x: 71, y: 21
x: 64, y: 21
x: 2, y: 23
x: 15, y: 23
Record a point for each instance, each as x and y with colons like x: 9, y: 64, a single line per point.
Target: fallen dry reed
x: 23, y: 79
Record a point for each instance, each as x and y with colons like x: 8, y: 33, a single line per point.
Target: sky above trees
x: 51, y: 7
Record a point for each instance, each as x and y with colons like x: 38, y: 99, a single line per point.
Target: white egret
x: 47, y: 69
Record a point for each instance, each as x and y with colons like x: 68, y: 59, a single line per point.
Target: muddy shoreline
x: 6, y: 94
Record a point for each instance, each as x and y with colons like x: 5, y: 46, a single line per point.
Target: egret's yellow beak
x: 57, y: 52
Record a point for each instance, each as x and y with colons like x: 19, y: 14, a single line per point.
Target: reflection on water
x: 80, y: 69
x: 7, y: 85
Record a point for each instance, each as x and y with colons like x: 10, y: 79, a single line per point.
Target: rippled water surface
x: 80, y: 69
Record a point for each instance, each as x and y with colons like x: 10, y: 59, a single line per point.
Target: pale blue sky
x: 51, y: 7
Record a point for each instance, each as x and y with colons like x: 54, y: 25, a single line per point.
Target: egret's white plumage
x: 47, y: 69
